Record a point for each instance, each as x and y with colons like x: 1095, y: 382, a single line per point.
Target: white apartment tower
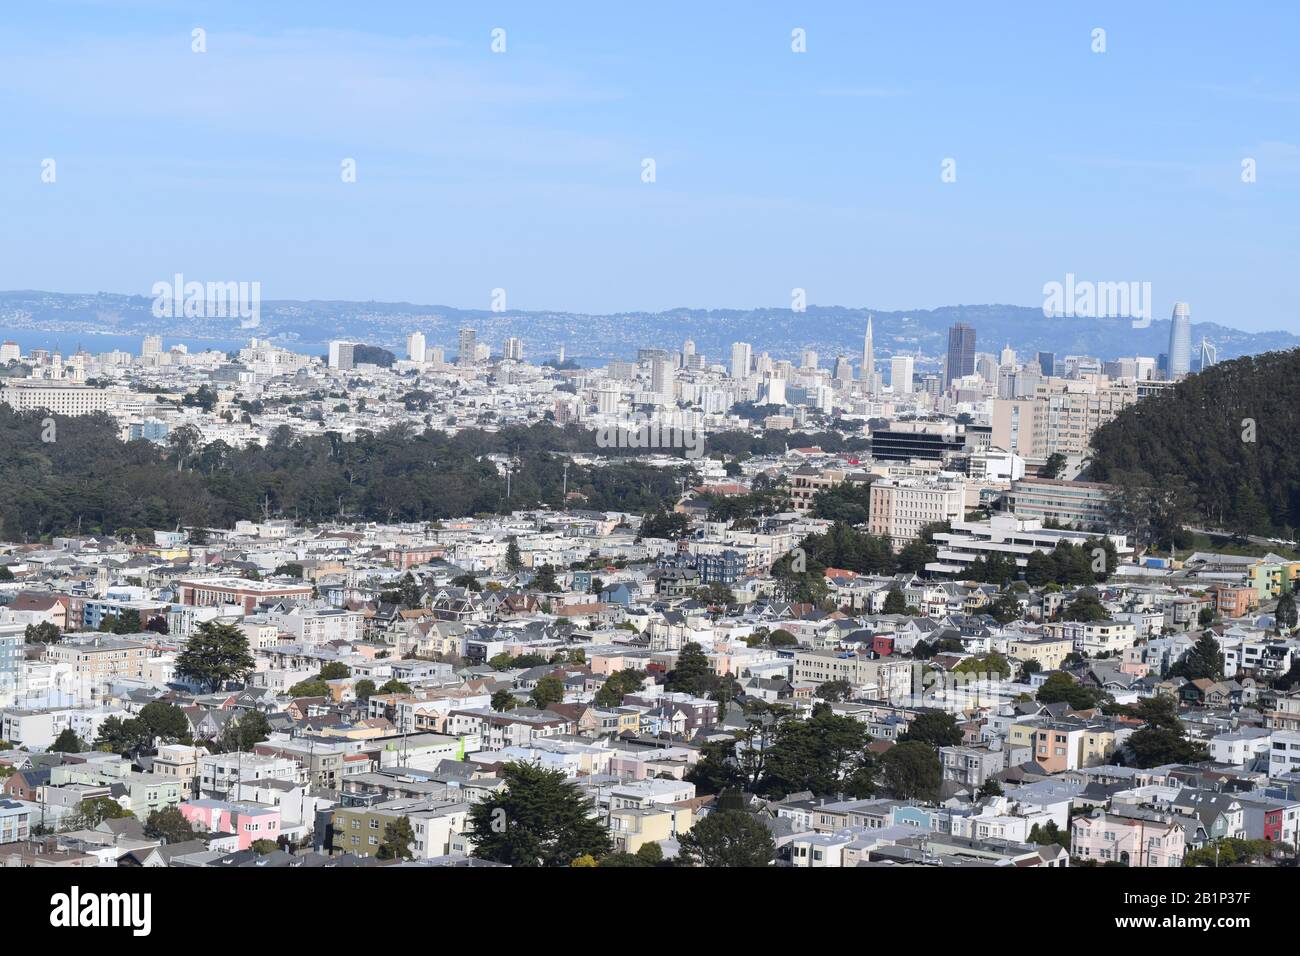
x: 900, y: 374
x: 467, y: 347
x: 415, y: 347
x: 741, y: 359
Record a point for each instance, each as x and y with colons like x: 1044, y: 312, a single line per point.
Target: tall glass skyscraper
x: 1180, y: 342
x: 961, y: 352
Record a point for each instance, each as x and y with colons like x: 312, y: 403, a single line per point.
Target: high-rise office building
x: 607, y: 398
x: 868, y: 353
x: 514, y: 349
x: 467, y: 352
x: 661, y: 378
x: 900, y: 374
x: 961, y: 352
x: 1047, y: 363
x: 342, y: 355
x: 415, y: 347
x: 741, y: 356
x: 808, y: 358
x: 1180, y: 341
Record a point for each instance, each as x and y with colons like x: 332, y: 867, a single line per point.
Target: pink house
x: 1149, y: 840
x: 247, y: 821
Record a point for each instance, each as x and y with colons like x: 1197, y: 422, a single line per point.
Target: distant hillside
x: 1228, y: 436
x: 831, y: 331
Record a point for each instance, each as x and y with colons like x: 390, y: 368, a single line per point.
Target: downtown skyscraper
x: 1180, y: 342
x: 961, y: 353
x: 868, y: 354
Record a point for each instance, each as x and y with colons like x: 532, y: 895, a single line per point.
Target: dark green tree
x: 1060, y: 687
x: 835, y: 690
x: 397, y: 840
x: 545, y: 579
x: 1087, y: 608
x: 692, y: 674
x: 727, y: 838
x: 215, y: 654
x: 43, y: 633
x: 514, y: 561
x: 933, y: 727
x: 245, y: 731
x: 912, y: 771
x: 1285, y: 614
x: 165, y: 721
x: 825, y: 754
x: 895, y: 602
x: 549, y: 690
x: 168, y: 825
x: 537, y: 819
x: 1203, y: 660
x: 67, y: 742
x: 618, y: 685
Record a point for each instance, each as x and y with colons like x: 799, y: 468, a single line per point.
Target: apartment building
x: 805, y: 483
x: 214, y: 591
x: 219, y: 774
x: 1284, y: 753
x: 315, y: 626
x: 1154, y: 839
x: 435, y: 822
x: 99, y: 657
x: 893, y: 679
x: 1050, y: 652
x: 901, y: 508
x: 971, y: 766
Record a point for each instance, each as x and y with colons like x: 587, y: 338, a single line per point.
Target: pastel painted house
x: 1147, y: 841
x: 247, y: 821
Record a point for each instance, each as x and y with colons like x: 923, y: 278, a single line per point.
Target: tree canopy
x: 537, y: 819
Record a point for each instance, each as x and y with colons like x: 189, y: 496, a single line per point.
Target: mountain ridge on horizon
x: 830, y: 330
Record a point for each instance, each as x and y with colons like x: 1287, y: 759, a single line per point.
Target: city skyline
x: 740, y: 436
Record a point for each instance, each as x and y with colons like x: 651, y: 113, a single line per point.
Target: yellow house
x: 633, y: 827
x: 1050, y: 652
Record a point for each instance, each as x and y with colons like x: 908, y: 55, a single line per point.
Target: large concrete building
x: 901, y: 508
x: 1076, y: 504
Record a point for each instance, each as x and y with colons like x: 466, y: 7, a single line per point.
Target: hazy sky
x: 774, y: 169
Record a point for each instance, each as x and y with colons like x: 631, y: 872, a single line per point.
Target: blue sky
x: 774, y: 169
